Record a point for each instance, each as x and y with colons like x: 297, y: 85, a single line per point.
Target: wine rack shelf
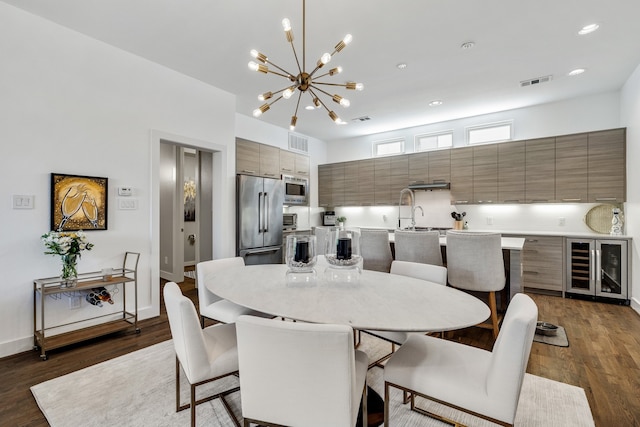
x: 49, y: 337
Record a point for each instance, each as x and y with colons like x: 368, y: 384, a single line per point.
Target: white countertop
x: 509, y: 243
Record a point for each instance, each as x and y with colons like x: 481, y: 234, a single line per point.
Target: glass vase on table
x: 301, y: 259
x: 69, y: 274
x: 343, y: 256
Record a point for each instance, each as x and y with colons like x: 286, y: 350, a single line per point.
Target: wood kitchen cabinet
x: 399, y: 175
x: 540, y: 167
x: 485, y: 173
x: 366, y: 175
x: 351, y: 197
x: 572, y: 168
x: 337, y: 185
x: 269, y: 161
x: 247, y: 157
x: 511, y: 172
x: 607, y: 166
x: 293, y: 163
x: 542, y: 263
x: 324, y: 185
x: 382, y: 181
x: 462, y: 175
x: 419, y: 167
x: 439, y: 166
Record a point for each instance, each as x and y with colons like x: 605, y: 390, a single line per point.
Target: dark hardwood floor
x: 603, y: 358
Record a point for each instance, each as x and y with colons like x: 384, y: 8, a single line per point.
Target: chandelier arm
x: 295, y: 54
x: 325, y: 92
x: 289, y: 75
x: 286, y: 76
x: 318, y: 98
x: 329, y: 84
x: 298, y: 103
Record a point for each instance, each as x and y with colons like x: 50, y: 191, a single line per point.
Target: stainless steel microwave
x: 296, y: 190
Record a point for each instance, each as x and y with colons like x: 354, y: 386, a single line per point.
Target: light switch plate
x: 21, y: 201
x: 127, y: 204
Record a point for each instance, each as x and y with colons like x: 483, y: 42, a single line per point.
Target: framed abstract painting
x: 78, y: 202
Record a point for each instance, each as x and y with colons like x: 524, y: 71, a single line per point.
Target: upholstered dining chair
x: 375, y: 250
x: 211, y: 305
x: 204, y: 355
x: 475, y: 263
x: 484, y: 383
x: 418, y: 246
x: 429, y: 272
x: 300, y: 374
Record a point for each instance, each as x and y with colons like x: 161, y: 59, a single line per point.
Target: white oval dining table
x: 378, y: 301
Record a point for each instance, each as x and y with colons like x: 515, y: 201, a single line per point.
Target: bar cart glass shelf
x: 46, y: 338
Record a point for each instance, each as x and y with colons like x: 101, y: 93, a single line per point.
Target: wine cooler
x: 597, y: 268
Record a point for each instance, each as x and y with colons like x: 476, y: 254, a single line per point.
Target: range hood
x: 418, y: 185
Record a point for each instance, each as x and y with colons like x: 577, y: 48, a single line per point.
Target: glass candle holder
x: 301, y: 257
x: 343, y: 255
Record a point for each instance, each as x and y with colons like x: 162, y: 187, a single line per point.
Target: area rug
x: 137, y: 389
x: 560, y: 338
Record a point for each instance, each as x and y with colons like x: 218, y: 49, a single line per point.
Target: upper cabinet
x: 607, y: 166
x: 572, y: 160
x: 540, y: 169
x: 462, y: 175
x: 485, y: 173
x: 579, y: 168
x: 253, y: 158
x: 511, y: 171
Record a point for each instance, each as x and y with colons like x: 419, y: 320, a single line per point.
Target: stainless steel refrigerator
x: 259, y: 219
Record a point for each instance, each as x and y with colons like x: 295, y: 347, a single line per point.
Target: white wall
x: 71, y: 104
x: 630, y: 114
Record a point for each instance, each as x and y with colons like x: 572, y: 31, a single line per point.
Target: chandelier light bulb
x: 354, y: 86
x: 253, y: 66
x: 316, y: 102
x: 259, y: 56
x: 325, y: 58
x: 258, y: 111
x: 288, y: 92
x: 265, y: 96
x: 340, y: 100
x: 294, y: 120
x: 334, y: 117
x: 347, y: 39
x: 334, y: 71
x: 286, y: 24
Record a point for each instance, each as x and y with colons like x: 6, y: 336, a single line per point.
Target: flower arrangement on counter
x: 69, y: 246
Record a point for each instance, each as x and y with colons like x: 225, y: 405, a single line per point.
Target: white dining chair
x: 475, y: 263
x: 418, y: 246
x: 375, y: 250
x: 300, y: 374
x: 204, y: 355
x: 429, y: 272
x: 211, y: 305
x: 483, y: 383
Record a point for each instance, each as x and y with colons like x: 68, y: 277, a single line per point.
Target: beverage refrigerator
x: 259, y: 219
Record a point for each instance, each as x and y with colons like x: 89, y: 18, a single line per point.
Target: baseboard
x: 635, y: 304
x: 21, y: 345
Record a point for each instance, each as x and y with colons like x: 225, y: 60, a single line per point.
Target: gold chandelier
x: 303, y: 81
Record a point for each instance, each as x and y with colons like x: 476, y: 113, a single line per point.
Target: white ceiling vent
x: 361, y: 119
x: 298, y: 143
x: 535, y: 81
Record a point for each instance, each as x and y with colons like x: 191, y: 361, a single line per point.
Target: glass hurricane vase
x: 69, y: 270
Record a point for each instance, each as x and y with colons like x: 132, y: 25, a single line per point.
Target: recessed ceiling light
x: 309, y: 107
x: 401, y: 66
x: 435, y: 103
x: 467, y: 45
x: 588, y: 29
x: 576, y: 72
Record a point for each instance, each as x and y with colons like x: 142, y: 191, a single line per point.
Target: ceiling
x: 514, y: 41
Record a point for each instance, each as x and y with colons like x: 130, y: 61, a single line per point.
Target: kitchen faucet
x: 413, y: 208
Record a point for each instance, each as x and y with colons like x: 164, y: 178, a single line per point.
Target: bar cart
x: 45, y: 337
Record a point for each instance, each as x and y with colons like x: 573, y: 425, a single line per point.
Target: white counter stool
x: 375, y: 250
x: 211, y: 305
x: 418, y: 246
x: 475, y: 263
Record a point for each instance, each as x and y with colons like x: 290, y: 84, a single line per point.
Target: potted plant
x: 341, y: 220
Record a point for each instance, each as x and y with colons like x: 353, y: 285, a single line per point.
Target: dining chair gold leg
x: 386, y: 404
